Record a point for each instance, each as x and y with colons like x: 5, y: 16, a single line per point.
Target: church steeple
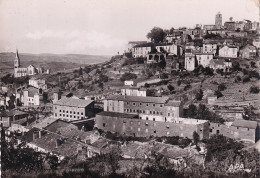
x: 16, y: 60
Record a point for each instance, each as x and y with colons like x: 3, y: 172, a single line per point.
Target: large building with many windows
x: 148, y: 108
x: 73, y: 109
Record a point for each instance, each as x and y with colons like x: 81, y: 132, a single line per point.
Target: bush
x: 128, y: 76
x: 218, y: 94
x: 222, y: 87
x: 254, y: 89
x: 246, y: 79
x: 199, y: 95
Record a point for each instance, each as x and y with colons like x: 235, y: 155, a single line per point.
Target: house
x: 73, y: 109
x: 230, y: 26
x: 131, y: 44
x: 209, y: 46
x: 240, y: 25
x: 248, y: 51
x: 133, y: 91
x: 245, y: 129
x: 236, y: 34
x: 209, y: 27
x: 169, y: 48
x: 142, y: 50
x: 255, y: 26
x: 155, y: 57
x: 38, y: 83
x: 228, y: 51
x: 222, y: 33
x: 204, y: 58
x: 256, y: 43
x: 190, y: 62
x: 212, y: 99
x: 129, y: 82
x: 222, y: 64
x: 30, y: 96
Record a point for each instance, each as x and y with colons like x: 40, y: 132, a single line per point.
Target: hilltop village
x: 185, y: 102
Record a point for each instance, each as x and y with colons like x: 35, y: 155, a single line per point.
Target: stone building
x: 228, y: 51
x: 148, y: 108
x: 131, y: 125
x: 73, y: 109
x: 248, y: 51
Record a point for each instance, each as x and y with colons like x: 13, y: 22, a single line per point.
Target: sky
x: 104, y: 27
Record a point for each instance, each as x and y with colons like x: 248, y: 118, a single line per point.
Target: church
x: 20, y: 71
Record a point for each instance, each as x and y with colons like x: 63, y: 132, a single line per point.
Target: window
x: 153, y: 105
x: 60, y: 110
x: 56, y: 114
x: 140, y: 104
x: 157, y: 112
x: 74, y: 112
x: 153, y: 119
x: 154, y: 131
x: 210, y: 130
x: 169, y: 114
x: 60, y: 114
x: 161, y: 105
x: 67, y: 111
x: 151, y: 112
x: 147, y: 104
x: 146, y: 118
x: 104, y: 124
x: 70, y: 112
x: 78, y: 112
x: 217, y: 131
x: 133, y: 104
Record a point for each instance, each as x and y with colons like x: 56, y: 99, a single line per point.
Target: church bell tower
x: 16, y: 60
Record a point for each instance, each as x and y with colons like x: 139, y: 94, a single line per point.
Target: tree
x: 196, y: 137
x: 170, y: 87
x: 191, y: 111
x: 254, y: 89
x: 252, y: 63
x: 221, y: 87
x: 218, y: 94
x: 236, y: 66
x: 80, y: 71
x: 156, y: 35
x: 128, y: 76
x: 53, y: 161
x: 199, y: 95
x: 179, y: 82
x: 208, y: 71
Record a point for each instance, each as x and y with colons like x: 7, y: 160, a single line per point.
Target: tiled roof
x: 144, y: 45
x: 245, y: 124
x: 173, y: 103
x: 32, y: 91
x: 16, y: 113
x: 147, y: 99
x: 73, y: 102
x: 117, y: 114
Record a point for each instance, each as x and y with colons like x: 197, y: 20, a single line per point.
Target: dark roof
x: 3, y: 114
x: 56, y: 125
x: 16, y: 113
x: 144, y: 45
x: 119, y: 115
x: 147, y: 99
x: 73, y: 102
x: 245, y: 124
x: 173, y: 103
x: 32, y: 91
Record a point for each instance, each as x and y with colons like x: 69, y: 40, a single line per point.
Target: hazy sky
x: 103, y: 26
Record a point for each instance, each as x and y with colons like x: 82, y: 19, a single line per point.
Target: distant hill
x: 55, y: 62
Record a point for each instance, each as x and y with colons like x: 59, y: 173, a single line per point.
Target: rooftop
x: 147, y: 99
x: 245, y: 124
x: 117, y: 114
x: 73, y: 102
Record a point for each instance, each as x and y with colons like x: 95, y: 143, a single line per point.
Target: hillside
x: 55, y: 62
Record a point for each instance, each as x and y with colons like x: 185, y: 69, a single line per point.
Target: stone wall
x: 143, y: 128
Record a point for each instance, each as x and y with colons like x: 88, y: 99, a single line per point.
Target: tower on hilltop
x: 16, y: 60
x: 218, y: 20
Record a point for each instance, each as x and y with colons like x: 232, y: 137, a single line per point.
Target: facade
x: 228, y: 51
x: 230, y: 26
x: 131, y: 44
x: 133, y: 91
x: 129, y: 124
x: 148, y: 108
x: 237, y: 34
x: 73, y: 109
x: 155, y: 57
x: 190, y: 62
x: 248, y: 51
x: 255, y: 26
x: 240, y: 130
x: 30, y: 96
x: 222, y: 64
x: 203, y: 59
x: 209, y: 27
x: 169, y: 48
x: 141, y: 50
x: 38, y: 83
x: 209, y: 47
x: 218, y: 20
x: 240, y: 25
x: 129, y: 82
